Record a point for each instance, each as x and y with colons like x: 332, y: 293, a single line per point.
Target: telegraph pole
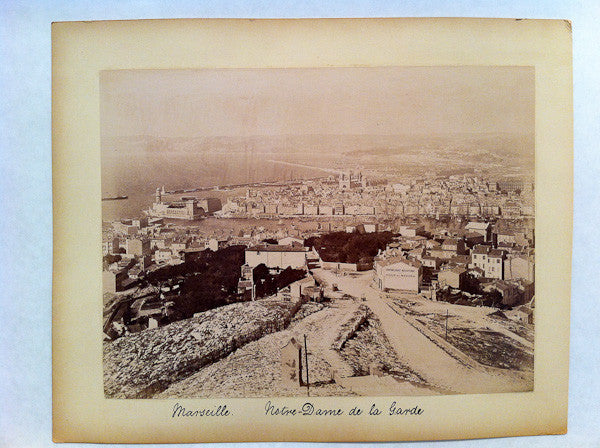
x: 446, y: 324
x: 306, y: 362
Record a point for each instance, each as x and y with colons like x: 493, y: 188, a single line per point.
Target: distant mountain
x: 345, y: 145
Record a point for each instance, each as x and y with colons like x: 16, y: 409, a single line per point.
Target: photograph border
x: 81, y: 50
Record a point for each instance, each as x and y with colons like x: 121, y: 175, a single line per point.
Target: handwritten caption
x: 309, y: 408
x: 215, y: 411
x: 306, y: 409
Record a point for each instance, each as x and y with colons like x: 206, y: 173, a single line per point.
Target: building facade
x: 491, y: 261
x: 189, y: 208
x: 398, y: 273
x: 276, y: 256
x: 137, y: 247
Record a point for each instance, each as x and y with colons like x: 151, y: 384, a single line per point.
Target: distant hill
x: 444, y: 153
x: 341, y: 144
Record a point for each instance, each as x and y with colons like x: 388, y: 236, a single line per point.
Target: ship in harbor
x: 114, y: 198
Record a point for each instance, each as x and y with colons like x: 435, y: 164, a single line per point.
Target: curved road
x: 431, y: 362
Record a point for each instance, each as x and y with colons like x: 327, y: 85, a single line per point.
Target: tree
x: 493, y: 299
x: 209, y: 279
x: 260, y: 272
x: 342, y: 247
x: 112, y: 258
x: 472, y: 285
x: 288, y: 276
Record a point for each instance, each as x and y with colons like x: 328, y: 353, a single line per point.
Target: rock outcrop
x: 144, y: 364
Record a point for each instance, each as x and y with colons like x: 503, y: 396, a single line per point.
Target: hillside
x: 143, y: 364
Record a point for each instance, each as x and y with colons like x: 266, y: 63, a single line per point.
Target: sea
x: 138, y: 175
x: 136, y: 166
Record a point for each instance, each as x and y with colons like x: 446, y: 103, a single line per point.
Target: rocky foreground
x: 374, y: 347
x: 255, y: 370
x: 144, y: 364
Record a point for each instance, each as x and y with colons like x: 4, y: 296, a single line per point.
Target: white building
x: 276, y: 256
x: 491, y: 261
x: 398, y: 273
x: 430, y: 262
x: 189, y: 208
x: 163, y: 256
x: 410, y: 231
x: 482, y: 228
x: 215, y: 244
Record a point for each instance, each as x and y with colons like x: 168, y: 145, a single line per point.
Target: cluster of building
x: 492, y: 256
x: 352, y: 195
x: 482, y: 231
x: 188, y: 208
x: 142, y: 245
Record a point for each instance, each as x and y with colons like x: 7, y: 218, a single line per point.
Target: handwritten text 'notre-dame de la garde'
x: 306, y: 409
x: 309, y: 408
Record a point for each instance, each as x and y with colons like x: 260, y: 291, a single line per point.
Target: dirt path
x: 431, y: 362
x: 322, y: 329
x: 254, y: 370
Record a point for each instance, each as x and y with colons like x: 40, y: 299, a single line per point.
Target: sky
x: 350, y: 100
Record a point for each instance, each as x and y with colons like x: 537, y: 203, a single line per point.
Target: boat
x: 115, y: 198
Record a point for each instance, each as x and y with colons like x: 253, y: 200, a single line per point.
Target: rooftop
x: 496, y: 253
x: 478, y: 225
x: 481, y: 249
x: 276, y: 248
x: 399, y: 260
x: 450, y: 242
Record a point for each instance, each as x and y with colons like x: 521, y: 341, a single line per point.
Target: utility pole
x: 306, y: 362
x: 446, y: 324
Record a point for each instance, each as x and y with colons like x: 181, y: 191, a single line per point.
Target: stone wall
x: 350, y: 327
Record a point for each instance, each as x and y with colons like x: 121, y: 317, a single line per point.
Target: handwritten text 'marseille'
x: 216, y: 411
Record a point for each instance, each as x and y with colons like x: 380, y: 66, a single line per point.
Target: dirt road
x: 431, y: 362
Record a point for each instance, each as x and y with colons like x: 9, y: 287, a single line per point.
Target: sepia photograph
x: 315, y: 232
